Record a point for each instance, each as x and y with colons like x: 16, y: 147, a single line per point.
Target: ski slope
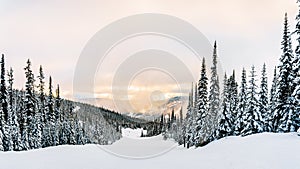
x: 261, y: 151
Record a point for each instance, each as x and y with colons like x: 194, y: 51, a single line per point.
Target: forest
x: 245, y: 109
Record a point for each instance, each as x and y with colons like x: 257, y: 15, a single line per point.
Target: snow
x: 263, y: 151
x: 133, y: 133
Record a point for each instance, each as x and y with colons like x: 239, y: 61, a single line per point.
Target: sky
x: 54, y: 33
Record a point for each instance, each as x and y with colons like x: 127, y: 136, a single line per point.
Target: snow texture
x: 254, y: 151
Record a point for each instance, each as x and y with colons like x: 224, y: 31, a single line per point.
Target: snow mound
x: 261, y: 151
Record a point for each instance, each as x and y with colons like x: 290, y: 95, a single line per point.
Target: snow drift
x: 261, y: 151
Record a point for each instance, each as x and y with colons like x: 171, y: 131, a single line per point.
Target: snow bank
x: 261, y: 151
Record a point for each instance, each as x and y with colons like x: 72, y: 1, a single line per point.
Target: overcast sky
x: 53, y: 33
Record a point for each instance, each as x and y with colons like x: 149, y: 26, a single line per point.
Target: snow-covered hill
x: 261, y: 151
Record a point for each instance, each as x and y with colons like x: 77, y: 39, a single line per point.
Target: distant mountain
x: 173, y: 103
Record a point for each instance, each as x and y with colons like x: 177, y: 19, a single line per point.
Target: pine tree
x: 225, y: 123
x: 254, y: 123
x: 202, y: 127
x: 30, y: 104
x: 15, y: 131
x: 58, y: 115
x: 263, y: 99
x: 214, y: 94
x: 42, y: 97
x: 296, y: 83
x: 273, y: 102
x: 233, y: 95
x: 4, y: 111
x: 242, y: 104
x: 285, y: 84
x: 41, y: 115
x: 296, y: 61
x: 3, y: 96
x: 50, y: 115
x: 189, y: 121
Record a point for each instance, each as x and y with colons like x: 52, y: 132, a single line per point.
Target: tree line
x: 248, y: 108
x: 32, y: 118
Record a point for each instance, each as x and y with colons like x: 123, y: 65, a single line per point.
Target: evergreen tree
x: 263, y: 99
x: 15, y: 131
x: 242, y: 104
x: 225, y: 123
x: 272, y: 101
x: 4, y: 112
x: 285, y: 83
x: 254, y: 123
x: 189, y: 121
x: 58, y: 116
x: 296, y: 83
x: 30, y: 107
x: 233, y: 96
x: 42, y: 97
x: 214, y: 94
x: 202, y: 127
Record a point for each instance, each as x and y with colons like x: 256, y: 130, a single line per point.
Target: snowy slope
x: 261, y: 151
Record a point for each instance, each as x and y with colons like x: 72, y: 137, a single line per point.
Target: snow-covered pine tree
x: 41, y: 115
x: 242, y: 104
x: 30, y: 103
x: 263, y: 99
x: 225, y: 123
x: 4, y: 110
x: 202, y: 127
x: 254, y: 123
x: 189, y: 121
x: 285, y: 84
x: 52, y: 116
x: 296, y: 61
x: 272, y: 100
x: 181, y: 131
x: 58, y: 115
x: 296, y: 69
x: 233, y: 96
x: 15, y: 131
x: 49, y: 122
x: 41, y: 94
x: 214, y: 94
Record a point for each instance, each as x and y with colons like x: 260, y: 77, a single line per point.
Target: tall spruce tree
x: 285, y: 83
x: 296, y: 93
x: 233, y: 96
x: 202, y: 127
x: 4, y: 110
x: 254, y: 123
x: 272, y: 100
x: 214, y: 94
x: 263, y: 99
x: 41, y: 96
x: 30, y: 104
x: 225, y: 120
x: 189, y: 121
x: 14, y: 123
x: 242, y: 104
